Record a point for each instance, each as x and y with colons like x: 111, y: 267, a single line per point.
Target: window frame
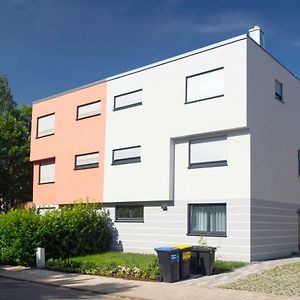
x: 46, y: 162
x: 37, y: 126
x: 209, y: 232
x: 125, y: 161
x: 130, y: 219
x: 129, y: 105
x: 209, y: 164
x: 277, y: 96
x: 87, y: 166
x: 86, y: 104
x: 199, y: 74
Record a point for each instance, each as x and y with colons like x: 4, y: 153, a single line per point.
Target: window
x: 209, y: 152
x: 278, y: 91
x: 128, y: 100
x: 207, y: 219
x: 204, y: 86
x: 130, y: 213
x: 126, y: 155
x: 88, y: 110
x: 45, y: 125
x: 87, y: 161
x: 47, y: 172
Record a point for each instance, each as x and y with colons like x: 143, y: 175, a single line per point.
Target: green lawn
x: 114, y: 259
x: 124, y: 265
x: 282, y: 280
x: 222, y: 266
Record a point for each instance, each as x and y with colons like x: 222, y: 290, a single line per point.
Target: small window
x: 45, y: 125
x: 204, y: 86
x: 88, y: 110
x: 278, y: 91
x: 209, y: 152
x: 130, y: 213
x: 127, y: 100
x: 126, y: 155
x: 87, y: 161
x: 47, y: 172
x: 207, y: 219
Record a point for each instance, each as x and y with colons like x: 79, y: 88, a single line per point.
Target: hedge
x: 69, y: 231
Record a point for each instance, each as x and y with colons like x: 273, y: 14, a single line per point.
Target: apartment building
x: 200, y: 145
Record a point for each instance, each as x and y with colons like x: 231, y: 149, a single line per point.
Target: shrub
x: 74, y: 230
x: 18, y: 236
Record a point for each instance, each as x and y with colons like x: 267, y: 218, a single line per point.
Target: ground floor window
x: 130, y: 213
x: 207, y: 219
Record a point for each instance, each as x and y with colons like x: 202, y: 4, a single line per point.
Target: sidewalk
x: 131, y: 289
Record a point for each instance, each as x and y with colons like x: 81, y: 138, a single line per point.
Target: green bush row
x: 69, y: 231
x: 149, y: 272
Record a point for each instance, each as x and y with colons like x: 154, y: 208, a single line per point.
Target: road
x: 11, y: 289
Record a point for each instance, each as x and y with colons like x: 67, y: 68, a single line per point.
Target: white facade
x: 241, y: 107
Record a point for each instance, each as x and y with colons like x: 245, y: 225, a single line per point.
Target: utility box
x: 40, y: 258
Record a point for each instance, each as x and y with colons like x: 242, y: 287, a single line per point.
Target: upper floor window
x: 127, y: 100
x: 207, y: 219
x: 88, y: 110
x: 204, y: 86
x: 278, y: 91
x: 45, y: 125
x: 208, y: 152
x: 126, y: 155
x: 87, y: 161
x: 47, y: 171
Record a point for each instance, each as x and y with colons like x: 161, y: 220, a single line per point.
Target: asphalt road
x: 11, y: 289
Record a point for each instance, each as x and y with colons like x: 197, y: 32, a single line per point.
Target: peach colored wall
x: 71, y: 137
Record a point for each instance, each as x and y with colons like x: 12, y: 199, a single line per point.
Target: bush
x: 74, y: 230
x: 69, y: 231
x: 18, y: 238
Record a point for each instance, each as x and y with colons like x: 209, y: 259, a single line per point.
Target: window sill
x: 127, y: 161
x: 208, y: 164
x: 40, y: 137
x: 86, y: 167
x: 208, y: 234
x: 128, y: 106
x: 42, y: 183
x: 204, y: 99
x: 129, y: 221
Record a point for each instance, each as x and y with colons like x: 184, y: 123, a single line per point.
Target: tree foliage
x: 15, y: 166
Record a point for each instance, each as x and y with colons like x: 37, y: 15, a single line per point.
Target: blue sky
x: 48, y: 46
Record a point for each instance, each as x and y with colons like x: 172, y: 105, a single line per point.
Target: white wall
x: 164, y: 115
x: 275, y: 140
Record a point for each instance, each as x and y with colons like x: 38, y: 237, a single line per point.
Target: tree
x: 15, y: 166
x: 6, y: 98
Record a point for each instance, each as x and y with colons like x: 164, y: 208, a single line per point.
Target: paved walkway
x: 200, y: 288
x: 220, y: 279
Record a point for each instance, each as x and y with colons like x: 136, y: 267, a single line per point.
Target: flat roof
x: 149, y: 66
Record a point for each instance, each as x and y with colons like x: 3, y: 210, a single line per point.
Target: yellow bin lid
x: 181, y: 246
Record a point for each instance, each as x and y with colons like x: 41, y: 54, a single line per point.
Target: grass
x: 281, y: 280
x: 222, y: 266
x: 114, y: 259
x: 111, y: 264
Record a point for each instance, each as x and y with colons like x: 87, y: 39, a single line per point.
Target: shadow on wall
x: 116, y: 244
